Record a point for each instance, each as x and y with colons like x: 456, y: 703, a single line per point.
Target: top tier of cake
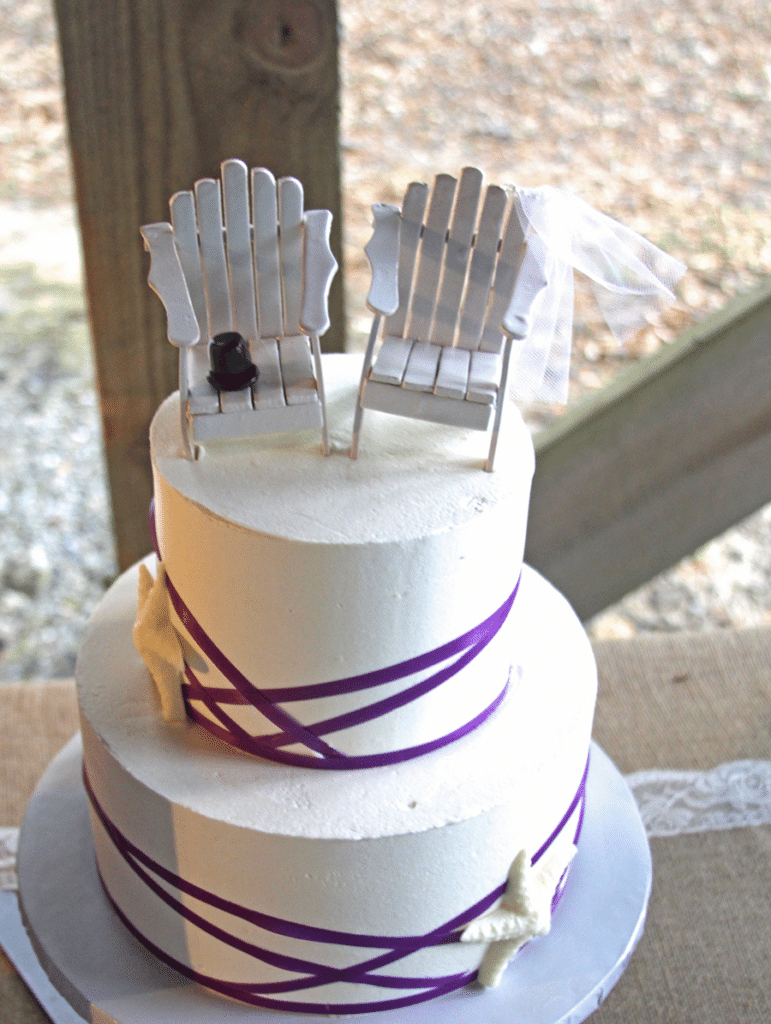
x: 356, y: 609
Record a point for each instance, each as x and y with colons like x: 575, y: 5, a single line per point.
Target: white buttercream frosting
x: 543, y: 726
x: 302, y: 570
x: 393, y: 851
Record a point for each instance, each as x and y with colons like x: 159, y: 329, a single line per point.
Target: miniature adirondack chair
x: 453, y: 285
x: 268, y: 279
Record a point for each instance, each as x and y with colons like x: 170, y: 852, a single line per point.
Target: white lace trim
x: 733, y: 795
x: 9, y: 842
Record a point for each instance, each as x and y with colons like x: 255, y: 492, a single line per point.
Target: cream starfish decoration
x: 156, y: 640
x: 524, y: 911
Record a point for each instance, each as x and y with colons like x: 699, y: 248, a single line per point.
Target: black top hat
x: 232, y: 368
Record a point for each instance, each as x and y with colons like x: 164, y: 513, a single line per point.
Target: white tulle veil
x: 630, y: 277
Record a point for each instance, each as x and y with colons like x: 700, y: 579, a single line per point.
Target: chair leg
x: 501, y: 401
x: 183, y: 405
x: 316, y: 349
x: 494, y: 438
x: 357, y: 417
x: 366, y: 367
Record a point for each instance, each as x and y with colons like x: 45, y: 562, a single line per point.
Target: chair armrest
x: 319, y: 269
x: 382, y: 252
x: 531, y: 280
x: 168, y: 282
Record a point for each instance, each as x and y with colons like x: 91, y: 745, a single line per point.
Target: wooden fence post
x: 158, y: 93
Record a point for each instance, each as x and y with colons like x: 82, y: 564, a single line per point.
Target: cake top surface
x: 411, y: 478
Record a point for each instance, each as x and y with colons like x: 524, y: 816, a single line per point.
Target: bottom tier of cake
x: 338, y: 892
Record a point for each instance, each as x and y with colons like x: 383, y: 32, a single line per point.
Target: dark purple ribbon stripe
x: 222, y: 725
x: 311, y: 974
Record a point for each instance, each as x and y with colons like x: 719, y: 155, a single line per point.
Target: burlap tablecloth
x: 681, y: 701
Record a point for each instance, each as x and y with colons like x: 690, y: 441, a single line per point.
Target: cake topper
x: 245, y: 258
x: 472, y: 295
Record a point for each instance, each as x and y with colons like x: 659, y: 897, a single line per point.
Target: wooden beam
x: 158, y: 93
x: 671, y: 454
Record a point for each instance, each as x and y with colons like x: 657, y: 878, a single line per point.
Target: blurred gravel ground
x: 56, y: 554
x: 657, y: 113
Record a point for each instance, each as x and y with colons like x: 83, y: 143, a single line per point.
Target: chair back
x: 460, y: 249
x: 244, y: 271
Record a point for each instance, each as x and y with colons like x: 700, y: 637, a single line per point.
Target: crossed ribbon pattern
x: 309, y: 974
x: 463, y: 650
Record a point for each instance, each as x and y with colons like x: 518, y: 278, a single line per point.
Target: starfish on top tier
x: 156, y: 640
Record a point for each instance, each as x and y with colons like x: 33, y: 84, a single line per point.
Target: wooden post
x: 158, y: 93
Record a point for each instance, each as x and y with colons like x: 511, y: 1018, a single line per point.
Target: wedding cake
x: 335, y: 734
x: 349, y: 774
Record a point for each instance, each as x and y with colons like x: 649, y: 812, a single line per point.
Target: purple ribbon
x: 312, y: 974
x: 463, y: 649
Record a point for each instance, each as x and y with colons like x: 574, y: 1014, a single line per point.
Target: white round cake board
x: 109, y: 978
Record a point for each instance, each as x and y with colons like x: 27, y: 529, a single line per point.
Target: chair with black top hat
x: 244, y: 274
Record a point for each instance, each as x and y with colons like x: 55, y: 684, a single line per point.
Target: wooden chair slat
x: 509, y: 259
x: 430, y: 258
x: 290, y: 218
x: 208, y: 202
x: 236, y: 401
x: 203, y: 398
x: 482, y: 268
x: 297, y: 371
x: 267, y: 264
x: 198, y: 367
x: 456, y: 257
x: 424, y: 405
x: 422, y: 366
x: 319, y: 269
x: 484, y: 377
x: 238, y: 237
x: 413, y: 209
x: 382, y: 252
x: 452, y: 376
x: 269, y: 389
x: 167, y: 279
x: 391, y: 361
x: 185, y: 229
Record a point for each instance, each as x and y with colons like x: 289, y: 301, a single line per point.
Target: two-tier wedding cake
x: 358, y: 780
